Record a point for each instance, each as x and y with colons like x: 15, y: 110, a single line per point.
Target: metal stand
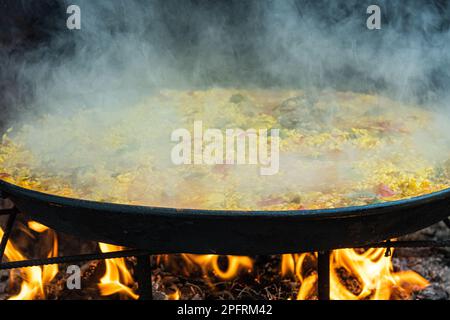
x: 144, y: 277
x: 323, y: 273
x: 143, y: 266
x: 12, y: 213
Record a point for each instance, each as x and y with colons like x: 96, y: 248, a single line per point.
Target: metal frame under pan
x: 168, y: 230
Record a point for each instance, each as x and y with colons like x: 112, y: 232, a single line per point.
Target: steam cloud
x: 126, y: 50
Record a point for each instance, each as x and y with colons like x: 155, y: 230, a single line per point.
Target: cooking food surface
x: 337, y: 149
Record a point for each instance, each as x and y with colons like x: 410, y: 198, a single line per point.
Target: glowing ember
x: 36, y: 226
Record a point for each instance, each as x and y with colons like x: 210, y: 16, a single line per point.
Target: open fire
x: 361, y: 151
x: 355, y: 274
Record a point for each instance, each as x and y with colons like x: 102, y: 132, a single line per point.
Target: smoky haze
x: 128, y: 50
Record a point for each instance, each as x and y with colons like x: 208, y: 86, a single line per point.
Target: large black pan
x: 168, y: 230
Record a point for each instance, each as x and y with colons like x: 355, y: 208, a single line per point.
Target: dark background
x: 27, y: 25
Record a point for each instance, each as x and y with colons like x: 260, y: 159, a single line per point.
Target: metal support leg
x: 144, y: 277
x: 7, y: 232
x: 323, y: 272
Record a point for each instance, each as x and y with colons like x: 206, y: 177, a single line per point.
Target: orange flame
x: 371, y: 272
x: 293, y: 265
x: 175, y: 295
x: 354, y: 274
x: 210, y: 262
x: 36, y: 226
x: 117, y: 277
x: 33, y: 278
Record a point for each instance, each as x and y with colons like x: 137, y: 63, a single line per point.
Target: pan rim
x: 56, y: 200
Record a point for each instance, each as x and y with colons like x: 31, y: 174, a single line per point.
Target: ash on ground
x: 432, y: 263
